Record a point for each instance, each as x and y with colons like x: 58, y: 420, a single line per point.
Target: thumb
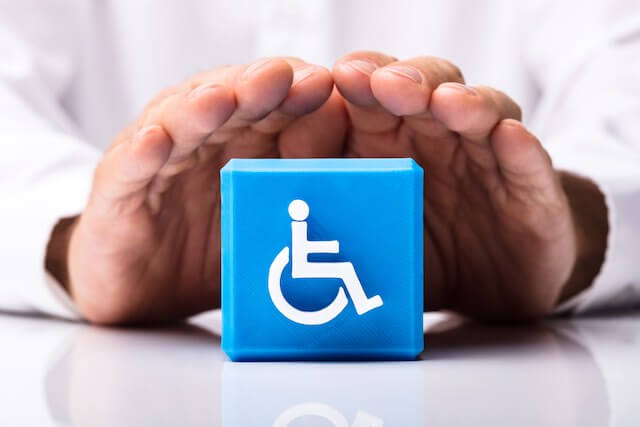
x: 524, y: 164
x: 122, y: 178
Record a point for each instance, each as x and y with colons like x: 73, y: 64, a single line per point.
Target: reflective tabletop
x: 563, y: 372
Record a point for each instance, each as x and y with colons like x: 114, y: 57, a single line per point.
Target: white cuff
x: 37, y: 198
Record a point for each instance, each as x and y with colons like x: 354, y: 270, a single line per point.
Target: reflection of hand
x: 115, y: 378
x: 147, y: 246
x: 501, y: 239
x: 551, y: 378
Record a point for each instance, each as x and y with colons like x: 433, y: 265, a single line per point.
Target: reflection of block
x: 373, y: 207
x: 314, y: 394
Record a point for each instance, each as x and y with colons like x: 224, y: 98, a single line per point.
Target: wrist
x: 56, y: 260
x: 591, y: 225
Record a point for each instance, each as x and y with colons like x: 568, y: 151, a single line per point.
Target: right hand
x: 147, y: 246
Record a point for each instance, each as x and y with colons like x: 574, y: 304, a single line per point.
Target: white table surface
x: 583, y: 372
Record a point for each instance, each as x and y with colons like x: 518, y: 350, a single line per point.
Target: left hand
x: 500, y: 238
x: 146, y: 248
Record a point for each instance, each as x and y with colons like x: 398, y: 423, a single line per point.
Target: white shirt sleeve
x: 586, y: 60
x: 45, y: 168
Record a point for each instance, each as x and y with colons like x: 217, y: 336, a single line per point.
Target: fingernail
x: 202, y: 89
x: 142, y: 133
x: 513, y: 123
x: 365, y: 67
x: 302, y: 73
x: 140, y: 138
x: 405, y: 71
x: 459, y: 87
x: 255, y: 67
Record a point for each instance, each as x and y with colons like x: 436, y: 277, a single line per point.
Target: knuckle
x: 447, y: 69
x: 292, y: 60
x: 454, y: 70
x: 377, y: 58
x: 101, y: 172
x: 499, y: 102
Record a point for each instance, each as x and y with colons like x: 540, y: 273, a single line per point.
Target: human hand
x: 147, y: 246
x: 501, y: 237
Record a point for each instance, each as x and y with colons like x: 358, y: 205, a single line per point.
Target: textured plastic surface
x: 352, y: 239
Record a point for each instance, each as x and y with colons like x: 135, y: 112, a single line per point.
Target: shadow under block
x: 322, y: 259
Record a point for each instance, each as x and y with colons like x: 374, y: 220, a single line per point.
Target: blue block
x: 322, y: 259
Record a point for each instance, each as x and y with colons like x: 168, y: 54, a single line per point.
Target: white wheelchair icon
x: 328, y: 413
x: 301, y: 268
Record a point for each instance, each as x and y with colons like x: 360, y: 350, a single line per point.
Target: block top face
x: 321, y: 165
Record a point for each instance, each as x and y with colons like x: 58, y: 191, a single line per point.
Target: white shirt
x: 75, y: 72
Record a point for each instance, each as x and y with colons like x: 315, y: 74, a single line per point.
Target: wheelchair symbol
x: 326, y: 412
x: 301, y: 268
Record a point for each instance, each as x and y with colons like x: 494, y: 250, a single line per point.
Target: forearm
x: 590, y: 218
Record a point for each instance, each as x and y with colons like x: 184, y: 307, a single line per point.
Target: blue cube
x: 322, y: 259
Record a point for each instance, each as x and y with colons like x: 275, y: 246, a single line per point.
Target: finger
x: 309, y: 90
x: 472, y: 112
x: 311, y: 87
x: 248, y: 92
x: 191, y: 117
x: 404, y: 88
x: 261, y: 87
x: 311, y: 136
x: 123, y: 175
x: 258, y: 87
x: 352, y: 75
x: 230, y: 96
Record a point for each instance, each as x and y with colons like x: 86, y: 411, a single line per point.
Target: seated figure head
x: 298, y: 210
